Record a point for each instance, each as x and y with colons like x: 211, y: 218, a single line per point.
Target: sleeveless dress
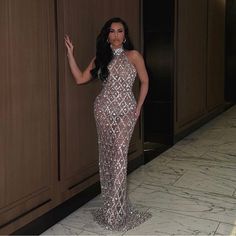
x: 114, y: 110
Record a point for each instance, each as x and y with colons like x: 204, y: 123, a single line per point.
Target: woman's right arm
x: 79, y: 76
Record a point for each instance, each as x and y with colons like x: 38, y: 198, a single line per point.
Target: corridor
x: 190, y: 189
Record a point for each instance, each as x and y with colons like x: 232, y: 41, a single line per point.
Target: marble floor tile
x: 169, y: 223
x: 210, y: 159
x: 220, y: 158
x: 224, y: 121
x: 157, y: 169
x: 191, y: 149
x: 60, y: 229
x: 198, y: 146
x: 164, y: 157
x: 210, y: 180
x: 225, y: 148
x: 206, y: 173
x: 229, y: 135
x: 187, y: 202
x: 221, y: 122
x: 83, y: 221
x: 160, y: 175
x: 234, y: 194
x: 84, y: 233
x: 226, y: 229
x: 204, y: 137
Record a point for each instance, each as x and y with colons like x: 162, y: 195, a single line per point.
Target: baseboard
x: 201, y: 122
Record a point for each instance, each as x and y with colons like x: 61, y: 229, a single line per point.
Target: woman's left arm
x: 143, y: 76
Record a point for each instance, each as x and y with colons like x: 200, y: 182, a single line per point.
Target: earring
x: 108, y: 41
x: 124, y: 41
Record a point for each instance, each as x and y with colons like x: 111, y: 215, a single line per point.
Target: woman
x: 116, y: 112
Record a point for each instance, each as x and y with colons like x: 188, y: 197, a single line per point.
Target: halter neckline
x: 117, y: 51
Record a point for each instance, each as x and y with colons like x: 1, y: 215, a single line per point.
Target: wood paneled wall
x: 190, y: 60
x: 28, y: 108
x: 230, y: 82
x: 48, y: 136
x: 184, y: 50
x: 215, y: 54
x: 199, y: 77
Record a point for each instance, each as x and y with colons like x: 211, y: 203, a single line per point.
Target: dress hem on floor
x: 132, y: 220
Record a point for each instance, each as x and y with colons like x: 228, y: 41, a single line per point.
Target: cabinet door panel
x: 29, y: 106
x: 191, y: 60
x: 216, y: 52
x: 3, y: 99
x: 78, y: 143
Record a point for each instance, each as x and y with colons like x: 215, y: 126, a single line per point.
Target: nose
x: 116, y: 33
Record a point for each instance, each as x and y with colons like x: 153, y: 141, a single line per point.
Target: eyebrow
x: 117, y: 29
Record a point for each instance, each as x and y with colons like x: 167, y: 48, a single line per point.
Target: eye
x: 111, y: 30
x: 120, y: 30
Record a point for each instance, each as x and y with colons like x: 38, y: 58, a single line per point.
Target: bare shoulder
x: 134, y: 56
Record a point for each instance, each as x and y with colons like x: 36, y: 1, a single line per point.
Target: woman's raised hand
x: 69, y: 45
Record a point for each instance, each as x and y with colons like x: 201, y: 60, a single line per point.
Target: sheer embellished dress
x: 114, y: 110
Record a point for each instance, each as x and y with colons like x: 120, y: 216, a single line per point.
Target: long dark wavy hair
x: 103, y: 50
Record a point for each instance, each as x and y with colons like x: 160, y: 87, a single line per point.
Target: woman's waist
x: 116, y: 91
x: 125, y: 96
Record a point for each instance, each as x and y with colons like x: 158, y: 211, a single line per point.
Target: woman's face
x: 116, y: 35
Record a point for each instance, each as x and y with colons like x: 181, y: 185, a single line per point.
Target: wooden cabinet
x: 200, y: 49
x: 184, y: 48
x: 215, y: 54
x: 230, y: 51
x: 28, y: 161
x: 190, y: 75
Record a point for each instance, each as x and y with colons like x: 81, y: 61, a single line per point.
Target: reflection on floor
x: 190, y: 188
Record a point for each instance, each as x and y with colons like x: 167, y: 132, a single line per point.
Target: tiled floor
x: 190, y: 189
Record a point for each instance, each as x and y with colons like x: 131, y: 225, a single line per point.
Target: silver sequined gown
x: 114, y: 110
